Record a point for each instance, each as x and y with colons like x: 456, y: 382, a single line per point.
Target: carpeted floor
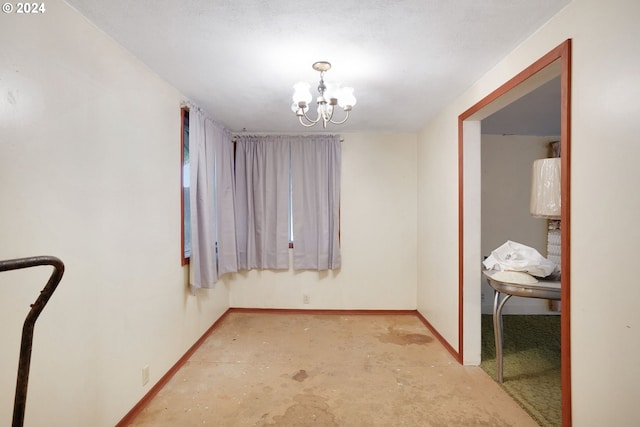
x: 531, y: 363
x: 328, y: 370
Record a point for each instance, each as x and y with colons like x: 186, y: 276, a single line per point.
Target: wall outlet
x: 145, y: 374
x: 306, y: 299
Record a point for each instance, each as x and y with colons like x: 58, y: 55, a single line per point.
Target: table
x: 545, y: 289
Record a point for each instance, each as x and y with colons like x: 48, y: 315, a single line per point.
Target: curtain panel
x: 281, y: 179
x: 315, y: 177
x: 213, y: 248
x: 262, y: 202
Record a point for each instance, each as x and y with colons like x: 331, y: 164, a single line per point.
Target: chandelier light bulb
x: 346, y: 98
x: 302, y: 93
x: 332, y: 91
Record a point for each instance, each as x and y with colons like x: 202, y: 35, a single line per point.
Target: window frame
x: 184, y: 117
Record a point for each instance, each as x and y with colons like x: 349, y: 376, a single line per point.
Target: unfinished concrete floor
x: 285, y: 369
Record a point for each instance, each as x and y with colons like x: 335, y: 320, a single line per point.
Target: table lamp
x: 545, y: 203
x: 545, y: 188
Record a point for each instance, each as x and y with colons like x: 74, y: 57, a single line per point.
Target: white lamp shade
x: 346, y: 98
x: 302, y: 93
x: 333, y: 90
x: 545, y: 188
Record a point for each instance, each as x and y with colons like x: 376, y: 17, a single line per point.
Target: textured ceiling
x: 238, y: 59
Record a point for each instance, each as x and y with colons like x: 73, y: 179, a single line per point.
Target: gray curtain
x: 315, y: 176
x: 225, y: 202
x: 213, y: 247
x: 262, y: 202
x: 203, y: 271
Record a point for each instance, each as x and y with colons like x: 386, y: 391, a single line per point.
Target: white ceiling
x: 238, y: 59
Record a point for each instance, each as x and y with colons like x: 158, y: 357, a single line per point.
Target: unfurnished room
x: 338, y: 213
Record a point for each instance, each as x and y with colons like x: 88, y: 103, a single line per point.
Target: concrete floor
x: 284, y: 369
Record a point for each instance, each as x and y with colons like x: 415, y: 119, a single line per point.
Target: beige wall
x: 437, y: 297
x: 378, y: 237
x: 89, y: 172
x: 605, y: 234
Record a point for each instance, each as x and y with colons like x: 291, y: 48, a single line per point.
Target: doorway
x: 555, y: 63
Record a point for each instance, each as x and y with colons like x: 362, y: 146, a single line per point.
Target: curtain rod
x: 234, y: 138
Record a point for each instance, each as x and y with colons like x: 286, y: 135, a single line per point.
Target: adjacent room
x: 526, y: 132
x: 94, y: 98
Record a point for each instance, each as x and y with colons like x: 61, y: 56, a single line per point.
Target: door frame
x: 558, y: 59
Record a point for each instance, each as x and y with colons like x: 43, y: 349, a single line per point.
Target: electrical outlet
x: 145, y: 374
x: 482, y: 297
x: 306, y: 299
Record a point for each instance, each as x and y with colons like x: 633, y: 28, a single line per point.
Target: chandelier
x: 330, y: 96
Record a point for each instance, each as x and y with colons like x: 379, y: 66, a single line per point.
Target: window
x: 287, y: 193
x: 244, y: 219
x: 184, y: 186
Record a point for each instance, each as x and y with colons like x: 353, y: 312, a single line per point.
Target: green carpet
x: 531, y: 363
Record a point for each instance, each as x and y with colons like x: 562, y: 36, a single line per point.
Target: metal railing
x: 29, y: 323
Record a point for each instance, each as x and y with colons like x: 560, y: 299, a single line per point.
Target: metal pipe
x: 24, y: 362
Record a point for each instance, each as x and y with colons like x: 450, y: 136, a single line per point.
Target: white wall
x: 604, y: 234
x: 378, y: 237
x: 507, y: 161
x: 89, y: 172
x: 437, y: 296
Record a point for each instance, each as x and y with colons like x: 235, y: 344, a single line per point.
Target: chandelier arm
x: 340, y: 122
x: 312, y: 123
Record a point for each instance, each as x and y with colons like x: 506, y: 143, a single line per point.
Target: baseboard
x: 440, y: 338
x: 135, y: 411
x: 317, y: 311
